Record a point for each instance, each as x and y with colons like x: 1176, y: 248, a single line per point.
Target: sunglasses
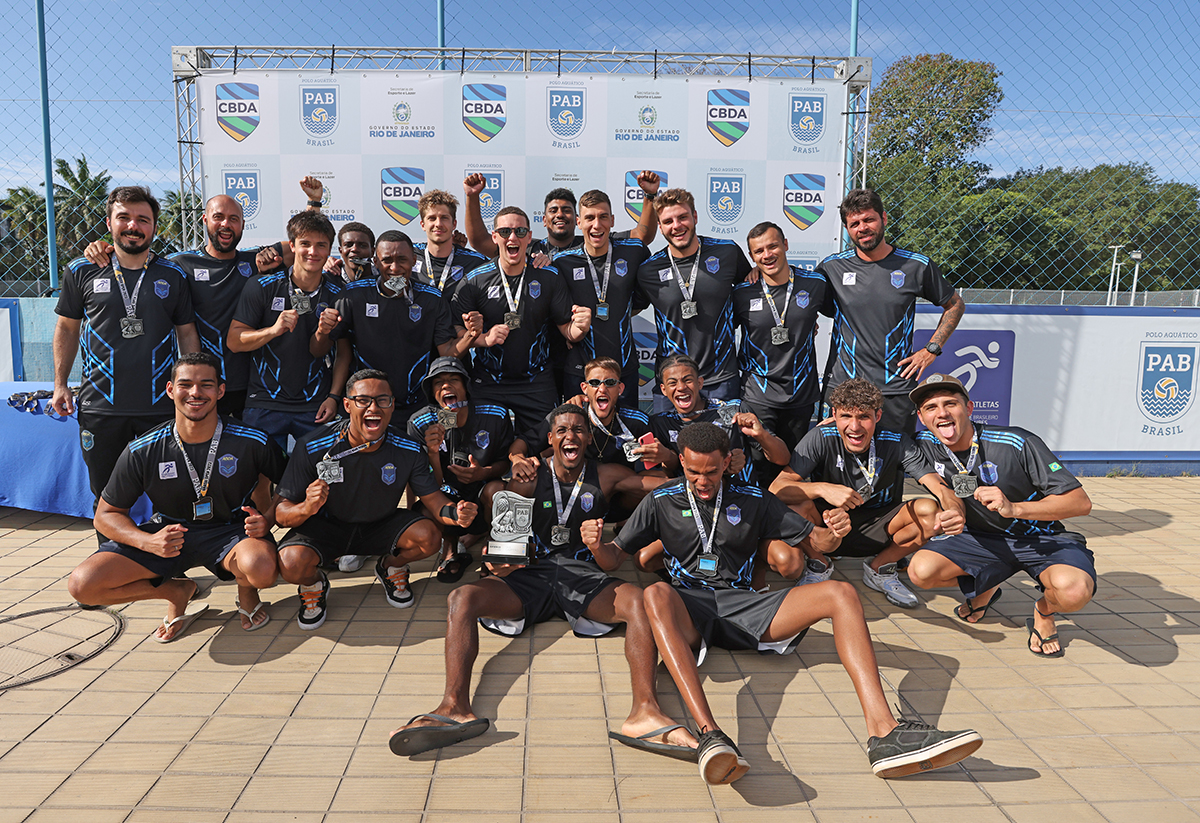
x: 596, y: 383
x: 364, y: 401
x: 508, y: 231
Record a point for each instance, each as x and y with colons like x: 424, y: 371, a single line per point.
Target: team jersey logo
x: 726, y: 193
x: 989, y: 473
x: 482, y: 439
x: 414, y: 313
x: 734, y: 515
x: 245, y: 269
x: 227, y: 465
x: 484, y: 109
x: 712, y: 264
x: 86, y: 439
x: 1168, y: 381
x: 372, y: 310
x: 566, y: 111
x: 535, y: 289
x: 161, y: 289
x: 237, y: 109
x: 807, y: 117
x: 319, y: 110
x: 242, y: 186
x: 388, y: 473
x: 728, y: 113
x: 802, y: 299
x: 803, y: 198
x: 897, y: 279
x: 621, y: 267
x: 491, y: 199
x: 635, y: 198
x: 167, y: 470
x: 400, y: 187
x: 586, y: 501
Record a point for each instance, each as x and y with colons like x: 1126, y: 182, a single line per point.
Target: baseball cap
x: 445, y: 365
x: 937, y: 382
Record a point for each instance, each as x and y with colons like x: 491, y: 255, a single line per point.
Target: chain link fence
x: 1016, y: 144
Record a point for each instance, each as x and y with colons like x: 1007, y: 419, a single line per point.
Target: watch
x: 933, y: 348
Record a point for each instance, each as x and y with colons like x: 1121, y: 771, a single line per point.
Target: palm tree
x: 24, y: 251
x: 80, y: 206
x: 177, y: 212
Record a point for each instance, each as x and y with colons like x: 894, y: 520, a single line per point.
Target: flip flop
x: 250, y: 615
x: 452, y: 568
x: 424, y: 738
x: 980, y: 610
x: 189, y: 616
x: 644, y: 743
x: 1041, y: 641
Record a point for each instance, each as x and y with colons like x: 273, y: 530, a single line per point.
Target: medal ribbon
x: 688, y: 287
x: 787, y: 300
x: 602, y: 291
x: 130, y: 302
x: 868, y: 474
x: 352, y: 450
x: 625, y: 432
x: 970, y: 460
x: 562, y: 514
x: 441, y: 282
x: 706, y: 539
x: 513, y: 304
x: 201, y: 486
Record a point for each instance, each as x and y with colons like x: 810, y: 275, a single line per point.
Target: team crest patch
x: 484, y: 109
x: 245, y: 269
x: 400, y: 188
x: 725, y: 197
x: 897, y: 279
x: 621, y: 267
x: 586, y: 501
x: 734, y: 515
x: 712, y: 264
x: 456, y: 273
x: 321, y: 307
x: 242, y: 186
x: 227, y: 465
x: 989, y: 473
x: 482, y: 439
x: 161, y: 289
x: 535, y: 289
x: 635, y: 198
x: 728, y: 115
x: 237, y: 109
x: 807, y: 117
x: 414, y: 313
x: 86, y: 439
x: 1168, y: 381
x: 388, y: 473
x: 319, y: 110
x: 566, y: 111
x: 803, y: 198
x: 802, y: 299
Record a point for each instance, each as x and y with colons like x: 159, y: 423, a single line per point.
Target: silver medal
x: 448, y: 418
x: 512, y: 320
x: 132, y: 327
x: 964, y: 484
x: 302, y: 303
x: 689, y: 309
x: 779, y: 335
x: 396, y: 284
x: 728, y: 412
x: 560, y: 536
x: 330, y: 471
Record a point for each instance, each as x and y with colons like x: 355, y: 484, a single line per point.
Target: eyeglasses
x: 508, y: 231
x: 364, y: 401
x: 596, y: 383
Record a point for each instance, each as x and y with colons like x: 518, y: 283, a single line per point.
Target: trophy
x: 512, y: 529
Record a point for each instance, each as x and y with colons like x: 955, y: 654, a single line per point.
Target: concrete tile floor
x: 284, y: 725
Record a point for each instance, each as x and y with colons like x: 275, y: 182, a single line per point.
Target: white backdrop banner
x: 748, y: 150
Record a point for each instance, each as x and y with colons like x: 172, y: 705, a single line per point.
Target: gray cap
x: 937, y: 382
x: 445, y: 365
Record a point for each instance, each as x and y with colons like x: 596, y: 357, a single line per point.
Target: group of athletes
x: 448, y: 370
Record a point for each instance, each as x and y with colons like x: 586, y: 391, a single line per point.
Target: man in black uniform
x: 1014, y: 494
x: 712, y: 529
x: 856, y: 466
x: 690, y: 285
x: 203, y: 517
x: 284, y: 320
x: 471, y: 442
x: 138, y: 313
x: 778, y: 316
x: 562, y: 580
x: 519, y: 305
x: 439, y: 262
x: 874, y: 290
x: 340, y: 493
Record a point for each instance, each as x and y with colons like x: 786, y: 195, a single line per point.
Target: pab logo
x: 807, y: 112
x: 491, y: 199
x: 803, y: 198
x: 566, y: 110
x: 319, y: 110
x: 400, y: 189
x: 484, y: 109
x: 728, y: 114
x: 806, y: 263
x: 242, y: 186
x: 1168, y: 380
x: 237, y: 109
x: 634, y: 196
x: 726, y: 193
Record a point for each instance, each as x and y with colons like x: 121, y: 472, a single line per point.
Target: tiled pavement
x: 282, y: 725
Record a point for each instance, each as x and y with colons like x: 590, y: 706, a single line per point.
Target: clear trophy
x: 512, y: 529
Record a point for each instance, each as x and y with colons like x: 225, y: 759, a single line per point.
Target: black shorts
x: 990, y: 559
x: 478, y: 526
x: 529, y: 402
x: 331, y: 539
x: 203, y: 545
x: 735, y: 618
x: 232, y: 403
x: 788, y: 424
x: 104, y: 436
x: 555, y: 586
x: 868, y: 530
x: 899, y: 415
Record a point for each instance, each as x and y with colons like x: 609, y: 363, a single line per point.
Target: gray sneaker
x: 815, y: 572
x: 350, y: 562
x: 886, y: 580
x: 914, y: 747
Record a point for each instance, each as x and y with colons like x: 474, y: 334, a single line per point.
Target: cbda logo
x: 400, y: 189
x: 634, y: 196
x: 484, y: 109
x: 803, y: 198
x: 728, y: 114
x: 237, y: 109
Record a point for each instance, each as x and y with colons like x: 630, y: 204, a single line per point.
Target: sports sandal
x: 452, y: 567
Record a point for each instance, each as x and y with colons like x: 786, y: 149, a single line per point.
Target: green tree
x: 176, y: 211
x: 80, y: 207
x: 23, y: 254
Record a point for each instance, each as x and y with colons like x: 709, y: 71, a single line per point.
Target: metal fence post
x: 51, y: 231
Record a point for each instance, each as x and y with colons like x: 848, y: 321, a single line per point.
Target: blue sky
x: 1084, y: 83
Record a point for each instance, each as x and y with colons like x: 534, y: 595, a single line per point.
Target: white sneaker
x: 887, y: 581
x: 815, y: 572
x: 350, y: 562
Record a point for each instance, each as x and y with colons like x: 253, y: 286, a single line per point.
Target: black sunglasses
x: 596, y: 383
x: 507, y: 231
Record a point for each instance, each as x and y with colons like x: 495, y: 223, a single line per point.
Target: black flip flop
x: 1042, y: 641
x: 980, y: 610
x: 452, y: 568
x: 644, y: 743
x: 425, y: 738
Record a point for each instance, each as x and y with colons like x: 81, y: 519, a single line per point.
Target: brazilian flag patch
x: 1055, y: 467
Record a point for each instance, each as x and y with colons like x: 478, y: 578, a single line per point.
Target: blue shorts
x: 203, y: 545
x: 990, y: 559
x: 279, y: 424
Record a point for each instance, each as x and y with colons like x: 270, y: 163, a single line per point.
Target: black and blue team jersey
x: 605, y: 446
x: 153, y: 465
x: 486, y: 436
x: 1014, y: 460
x: 284, y: 375
x: 821, y: 457
x: 773, y: 375
x: 216, y: 285
x: 874, y: 306
x: 591, y: 504
x: 465, y: 261
x: 543, y: 302
x: 748, y: 515
x: 126, y: 375
x: 394, y: 335
x: 666, y: 426
x: 707, y: 338
x: 612, y: 337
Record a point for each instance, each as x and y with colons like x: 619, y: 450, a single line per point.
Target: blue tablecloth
x: 41, y: 464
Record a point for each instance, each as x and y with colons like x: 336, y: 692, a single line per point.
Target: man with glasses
x: 519, y: 305
x: 340, y: 495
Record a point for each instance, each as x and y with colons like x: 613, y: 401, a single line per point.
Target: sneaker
x: 914, y: 747
x: 815, y: 572
x: 350, y: 562
x: 720, y: 761
x: 395, y: 583
x: 885, y: 580
x: 312, y: 604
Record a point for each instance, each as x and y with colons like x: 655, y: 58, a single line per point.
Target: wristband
x: 452, y: 514
x: 316, y: 204
x: 336, y: 397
